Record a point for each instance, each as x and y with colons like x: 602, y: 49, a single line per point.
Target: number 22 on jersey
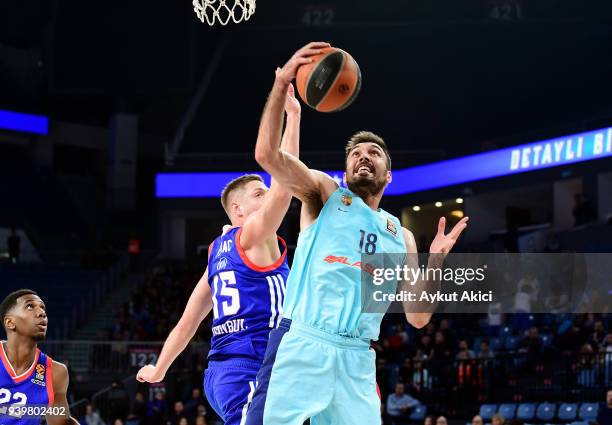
x: 6, y: 398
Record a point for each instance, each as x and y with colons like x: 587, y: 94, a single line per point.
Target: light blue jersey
x: 324, y: 286
x: 318, y: 363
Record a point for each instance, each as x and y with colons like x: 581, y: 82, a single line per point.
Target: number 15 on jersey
x: 224, y: 286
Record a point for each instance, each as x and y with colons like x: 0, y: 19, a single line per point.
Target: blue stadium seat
x: 487, y: 411
x: 579, y: 423
x: 511, y: 342
x: 546, y: 412
x: 588, y: 411
x: 567, y: 412
x: 495, y: 344
x: 418, y: 414
x: 507, y: 411
x: 526, y: 411
x: 505, y: 332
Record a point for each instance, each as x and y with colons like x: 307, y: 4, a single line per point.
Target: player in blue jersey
x: 28, y: 377
x: 244, y: 285
x: 318, y: 363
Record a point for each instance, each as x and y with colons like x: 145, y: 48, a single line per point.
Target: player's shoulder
x: 408, y: 235
x: 59, y: 369
x: 228, y: 232
x: 327, y: 185
x: 409, y: 240
x: 59, y: 374
x: 393, y: 223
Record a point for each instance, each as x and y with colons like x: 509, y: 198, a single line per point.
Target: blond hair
x: 236, y: 184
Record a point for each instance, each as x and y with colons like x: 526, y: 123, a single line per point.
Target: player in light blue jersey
x: 318, y: 363
x: 244, y: 285
x: 32, y: 385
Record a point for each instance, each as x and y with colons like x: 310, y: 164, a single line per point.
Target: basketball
x: 331, y: 82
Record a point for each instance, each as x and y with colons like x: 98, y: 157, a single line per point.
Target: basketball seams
x: 312, y: 72
x: 338, y: 74
x: 322, y: 82
x: 356, y: 89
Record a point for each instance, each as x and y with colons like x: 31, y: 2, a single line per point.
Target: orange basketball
x: 331, y: 82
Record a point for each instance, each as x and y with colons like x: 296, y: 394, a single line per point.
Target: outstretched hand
x: 442, y: 244
x: 303, y: 56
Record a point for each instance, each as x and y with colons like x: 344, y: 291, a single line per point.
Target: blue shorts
x: 229, y: 386
x: 309, y: 373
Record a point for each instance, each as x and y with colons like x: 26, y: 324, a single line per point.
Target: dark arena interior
x: 121, y: 122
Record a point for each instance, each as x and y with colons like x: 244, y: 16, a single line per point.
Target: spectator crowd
x: 451, y: 366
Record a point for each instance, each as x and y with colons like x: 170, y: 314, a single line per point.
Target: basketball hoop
x: 211, y: 11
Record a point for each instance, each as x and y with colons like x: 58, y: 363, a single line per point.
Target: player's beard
x: 365, y: 185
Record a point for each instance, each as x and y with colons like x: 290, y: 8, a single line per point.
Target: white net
x: 222, y: 11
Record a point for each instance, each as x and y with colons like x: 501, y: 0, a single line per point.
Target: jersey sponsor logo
x: 368, y: 268
x: 231, y: 326
x: 226, y: 246
x: 391, y: 227
x: 222, y: 263
x: 347, y: 200
x: 39, y: 379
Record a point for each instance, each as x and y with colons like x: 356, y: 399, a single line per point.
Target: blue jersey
x: 247, y: 299
x: 324, y: 288
x: 34, y: 386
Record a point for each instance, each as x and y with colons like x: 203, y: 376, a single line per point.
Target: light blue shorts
x: 309, y: 373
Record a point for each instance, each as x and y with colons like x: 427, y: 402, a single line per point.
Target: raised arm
x: 419, y: 314
x: 60, y: 389
x: 287, y: 169
x: 264, y: 223
x: 198, y: 307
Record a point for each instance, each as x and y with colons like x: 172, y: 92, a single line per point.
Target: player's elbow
x: 418, y: 320
x: 263, y: 154
x: 266, y: 155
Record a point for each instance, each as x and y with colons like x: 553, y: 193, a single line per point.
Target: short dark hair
x: 10, y: 301
x: 366, y: 137
x: 235, y: 184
